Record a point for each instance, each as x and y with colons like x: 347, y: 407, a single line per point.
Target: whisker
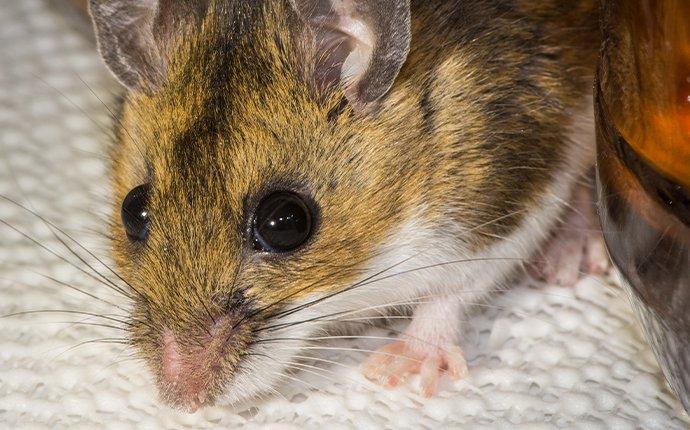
x: 105, y: 340
x: 346, y: 312
x: 65, y: 284
x: 417, y: 302
x: 118, y: 361
x: 102, y: 127
x: 335, y: 348
x: 322, y: 360
x: 309, y: 369
x: 401, y: 336
x: 252, y: 314
x: 495, y: 220
x: 113, y: 116
x: 65, y: 311
x: 360, y: 284
x: 319, y: 338
x: 328, y: 318
x: 84, y: 323
x: 311, y: 285
x: 52, y: 252
x: 52, y: 227
x: 407, y: 302
x: 292, y: 378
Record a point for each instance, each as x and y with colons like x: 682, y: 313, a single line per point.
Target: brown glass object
x: 643, y: 121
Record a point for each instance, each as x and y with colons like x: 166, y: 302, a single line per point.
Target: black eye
x: 135, y: 214
x: 282, y: 223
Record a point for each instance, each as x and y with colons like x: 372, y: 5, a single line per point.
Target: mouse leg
x: 428, y: 347
x: 576, y: 246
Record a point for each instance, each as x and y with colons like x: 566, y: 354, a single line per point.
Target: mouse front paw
x: 393, y: 363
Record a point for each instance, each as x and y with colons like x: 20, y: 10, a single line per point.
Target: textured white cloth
x: 541, y: 357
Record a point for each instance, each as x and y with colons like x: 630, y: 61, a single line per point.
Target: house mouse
x: 281, y: 167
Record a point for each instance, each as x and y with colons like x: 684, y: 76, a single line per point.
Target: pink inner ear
x: 358, y: 60
x: 344, y: 48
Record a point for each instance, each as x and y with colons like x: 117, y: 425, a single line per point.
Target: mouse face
x: 221, y: 226
x: 242, y: 191
x: 267, y: 168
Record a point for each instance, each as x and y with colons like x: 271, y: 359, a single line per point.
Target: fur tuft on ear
x: 133, y: 35
x: 361, y: 45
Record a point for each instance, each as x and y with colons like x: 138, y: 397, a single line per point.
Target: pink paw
x: 576, y: 246
x: 568, y: 256
x: 393, y: 363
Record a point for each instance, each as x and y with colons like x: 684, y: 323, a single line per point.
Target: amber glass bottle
x: 643, y: 120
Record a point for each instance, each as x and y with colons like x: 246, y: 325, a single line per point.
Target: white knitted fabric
x: 539, y: 357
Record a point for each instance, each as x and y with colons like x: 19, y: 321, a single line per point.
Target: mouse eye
x: 282, y: 223
x: 135, y: 214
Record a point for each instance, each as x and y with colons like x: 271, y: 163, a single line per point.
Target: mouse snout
x: 195, y: 364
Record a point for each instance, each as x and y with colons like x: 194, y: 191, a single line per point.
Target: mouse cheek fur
x: 266, y: 365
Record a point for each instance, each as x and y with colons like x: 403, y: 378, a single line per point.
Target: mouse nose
x: 183, y: 389
x: 192, y: 364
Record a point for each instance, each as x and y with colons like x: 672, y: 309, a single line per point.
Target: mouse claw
x: 393, y: 363
x: 456, y: 366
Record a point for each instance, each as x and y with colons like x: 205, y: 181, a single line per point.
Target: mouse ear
x: 133, y: 35
x: 360, y: 44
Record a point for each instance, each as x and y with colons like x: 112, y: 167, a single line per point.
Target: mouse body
x: 285, y: 168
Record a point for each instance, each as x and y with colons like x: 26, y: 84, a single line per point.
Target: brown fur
x: 470, y: 132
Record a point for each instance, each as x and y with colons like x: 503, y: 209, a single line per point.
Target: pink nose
x: 183, y: 379
x: 189, y: 371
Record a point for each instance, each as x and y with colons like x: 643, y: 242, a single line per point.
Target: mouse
x: 283, y: 169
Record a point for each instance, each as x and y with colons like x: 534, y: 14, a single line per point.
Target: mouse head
x: 262, y: 162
